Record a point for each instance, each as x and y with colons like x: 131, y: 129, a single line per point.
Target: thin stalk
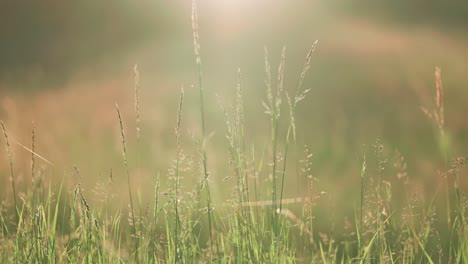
x: 156, y: 204
x: 242, y: 149
x: 284, y: 170
x: 33, y: 157
x: 179, y: 119
x: 124, y: 154
x: 254, y: 173
x: 310, y: 179
x: 196, y: 43
x: 379, y: 149
x: 137, y: 87
x: 273, y: 196
x: 136, y: 75
x: 10, y: 158
x: 299, y: 96
x: 272, y: 109
x: 363, y: 173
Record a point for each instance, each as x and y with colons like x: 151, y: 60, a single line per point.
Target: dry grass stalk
x: 438, y: 113
x: 204, y: 180
x: 79, y: 191
x: 269, y: 92
x: 284, y: 201
x: 124, y: 154
x: 136, y: 75
x: 34, y: 153
x: 280, y: 87
x: 439, y: 97
x: 300, y: 93
x: 122, y: 133
x: 10, y: 157
x: 305, y: 69
x: 33, y: 159
x: 289, y: 214
x: 240, y: 100
x: 196, y: 37
x: 177, y: 176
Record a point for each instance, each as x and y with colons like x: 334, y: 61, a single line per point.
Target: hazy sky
x: 49, y: 40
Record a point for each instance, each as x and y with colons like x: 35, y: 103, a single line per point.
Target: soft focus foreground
x: 353, y: 152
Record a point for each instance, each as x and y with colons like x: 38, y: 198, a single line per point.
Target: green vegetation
x: 259, y: 224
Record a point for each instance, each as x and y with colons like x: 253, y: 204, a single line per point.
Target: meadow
x: 274, y: 168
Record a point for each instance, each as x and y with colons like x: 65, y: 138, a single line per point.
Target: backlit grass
x: 391, y: 221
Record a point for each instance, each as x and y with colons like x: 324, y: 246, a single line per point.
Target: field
x: 216, y: 148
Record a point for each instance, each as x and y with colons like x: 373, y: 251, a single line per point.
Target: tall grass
x: 204, y: 181
x: 10, y: 159
x: 136, y: 76
x: 254, y: 226
x: 125, y: 160
x: 273, y: 110
x: 177, y: 179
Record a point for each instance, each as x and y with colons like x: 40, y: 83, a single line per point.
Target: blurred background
x: 64, y: 65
